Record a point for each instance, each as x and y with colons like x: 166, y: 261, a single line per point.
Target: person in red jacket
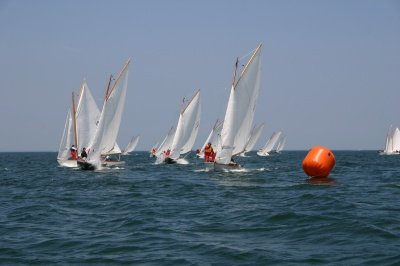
x: 73, y: 152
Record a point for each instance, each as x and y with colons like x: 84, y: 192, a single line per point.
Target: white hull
x: 389, y: 153
x: 226, y: 167
x: 112, y: 163
x: 263, y: 154
x: 68, y: 163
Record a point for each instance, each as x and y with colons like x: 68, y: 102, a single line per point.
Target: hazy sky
x: 330, y: 69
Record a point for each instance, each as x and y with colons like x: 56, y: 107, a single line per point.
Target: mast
x: 109, y: 91
x: 74, y: 121
x: 108, y: 88
x: 234, y: 73
x: 248, y: 63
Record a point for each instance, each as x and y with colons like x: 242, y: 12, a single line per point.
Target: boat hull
x: 68, y: 163
x: 169, y: 161
x: 84, y: 165
x: 226, y: 167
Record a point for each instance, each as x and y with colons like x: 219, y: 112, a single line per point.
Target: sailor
x: 73, y: 152
x: 209, y: 155
x: 84, y: 154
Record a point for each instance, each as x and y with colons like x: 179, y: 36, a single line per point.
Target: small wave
x: 202, y: 170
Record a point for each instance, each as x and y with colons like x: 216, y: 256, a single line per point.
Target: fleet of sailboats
x: 88, y: 127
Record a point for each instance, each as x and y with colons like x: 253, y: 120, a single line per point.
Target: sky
x: 330, y: 69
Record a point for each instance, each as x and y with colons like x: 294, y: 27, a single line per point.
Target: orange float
x: 319, y: 162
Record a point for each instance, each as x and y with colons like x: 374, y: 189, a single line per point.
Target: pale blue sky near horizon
x: 330, y: 69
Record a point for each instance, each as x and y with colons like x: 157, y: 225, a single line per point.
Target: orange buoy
x: 319, y: 162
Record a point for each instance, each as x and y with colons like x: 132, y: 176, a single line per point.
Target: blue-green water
x: 150, y: 214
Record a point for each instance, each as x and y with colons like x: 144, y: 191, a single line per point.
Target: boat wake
x: 182, y: 161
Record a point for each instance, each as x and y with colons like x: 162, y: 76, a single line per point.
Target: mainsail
x: 110, y: 119
x: 187, y: 127
x: 131, y: 145
x: 254, y: 136
x: 240, y: 110
x: 66, y: 140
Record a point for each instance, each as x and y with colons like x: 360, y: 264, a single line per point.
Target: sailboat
x: 67, y: 140
x: 104, y: 141
x: 80, y: 125
x: 270, y: 145
x: 281, y: 144
x: 186, y: 130
x: 254, y: 136
x: 392, y: 145
x: 131, y: 145
x: 165, y: 144
x: 239, y: 112
x: 212, y: 137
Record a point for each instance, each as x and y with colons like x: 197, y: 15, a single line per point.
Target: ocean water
x: 146, y: 214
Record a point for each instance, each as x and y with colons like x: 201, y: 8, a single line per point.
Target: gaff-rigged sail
x: 240, y: 110
x: 187, y: 127
x: 110, y: 118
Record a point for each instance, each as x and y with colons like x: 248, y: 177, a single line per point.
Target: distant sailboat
x: 165, y: 144
x: 281, y: 143
x: 186, y: 130
x: 104, y: 141
x: 239, y: 112
x: 392, y: 145
x: 270, y: 145
x: 67, y: 141
x: 254, y: 136
x: 131, y: 145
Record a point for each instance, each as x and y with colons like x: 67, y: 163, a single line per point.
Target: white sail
x: 281, y: 144
x: 392, y: 145
x: 66, y: 140
x: 87, y: 117
x: 271, y: 143
x: 212, y: 137
x: 240, y: 110
x: 396, y: 141
x: 166, y: 143
x: 110, y: 118
x: 255, y: 135
x: 131, y: 145
x: 187, y: 127
x: 388, y: 145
